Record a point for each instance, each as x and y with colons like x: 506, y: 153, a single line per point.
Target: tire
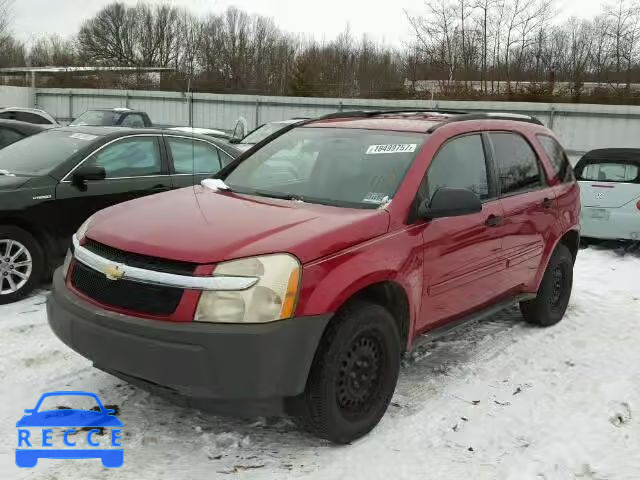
x: 551, y: 303
x: 362, y: 341
x: 19, y: 238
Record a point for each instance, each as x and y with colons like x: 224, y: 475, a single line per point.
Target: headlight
x: 272, y: 298
x: 82, y: 231
x: 67, y: 263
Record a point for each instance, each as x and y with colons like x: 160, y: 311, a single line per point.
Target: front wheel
x: 21, y: 264
x: 552, y: 300
x: 353, y: 375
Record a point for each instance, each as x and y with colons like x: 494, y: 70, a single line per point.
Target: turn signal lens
x: 638, y: 205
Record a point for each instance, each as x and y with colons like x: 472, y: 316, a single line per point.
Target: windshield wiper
x: 6, y: 173
x: 279, y: 196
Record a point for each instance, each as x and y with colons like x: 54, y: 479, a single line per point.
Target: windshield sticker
x: 377, y: 198
x: 392, y: 148
x: 83, y: 136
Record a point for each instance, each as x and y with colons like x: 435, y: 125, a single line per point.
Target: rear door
x: 463, y: 264
x: 529, y: 204
x: 135, y: 167
x: 191, y: 160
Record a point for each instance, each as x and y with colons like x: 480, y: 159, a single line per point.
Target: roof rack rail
x: 374, y: 113
x: 516, y: 117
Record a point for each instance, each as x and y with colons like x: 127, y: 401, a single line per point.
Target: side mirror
x: 450, y: 202
x: 234, y: 140
x: 29, y: 410
x: 89, y: 173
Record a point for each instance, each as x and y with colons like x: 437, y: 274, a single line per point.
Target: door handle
x: 547, y: 203
x: 160, y: 188
x: 494, y: 221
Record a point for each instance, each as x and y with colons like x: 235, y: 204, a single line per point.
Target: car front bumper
x: 240, y: 368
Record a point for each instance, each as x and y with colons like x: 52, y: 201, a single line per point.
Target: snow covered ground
x: 495, y: 400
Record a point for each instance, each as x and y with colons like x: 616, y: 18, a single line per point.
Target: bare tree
x: 12, y: 51
x: 5, y: 17
x: 53, y: 50
x: 109, y: 36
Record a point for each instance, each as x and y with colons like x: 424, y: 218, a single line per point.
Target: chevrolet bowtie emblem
x: 114, y: 272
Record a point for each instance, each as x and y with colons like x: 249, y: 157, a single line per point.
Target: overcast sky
x: 382, y: 19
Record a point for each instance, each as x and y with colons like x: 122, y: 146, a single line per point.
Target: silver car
x: 262, y: 132
x: 610, y: 194
x: 27, y: 115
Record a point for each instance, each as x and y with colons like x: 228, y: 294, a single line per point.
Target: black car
x: 11, y: 131
x: 52, y: 182
x: 114, y: 117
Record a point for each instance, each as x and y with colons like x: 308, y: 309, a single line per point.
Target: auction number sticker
x: 392, y: 148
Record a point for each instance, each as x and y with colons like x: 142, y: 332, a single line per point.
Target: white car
x: 27, y: 115
x: 610, y: 194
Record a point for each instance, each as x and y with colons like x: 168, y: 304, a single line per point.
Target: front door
x: 529, y: 205
x: 134, y: 168
x: 463, y: 262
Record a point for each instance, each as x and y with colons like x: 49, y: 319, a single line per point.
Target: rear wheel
x: 353, y: 375
x: 21, y: 264
x: 552, y: 300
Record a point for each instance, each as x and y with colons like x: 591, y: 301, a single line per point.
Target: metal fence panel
x: 15, y: 97
x: 579, y: 127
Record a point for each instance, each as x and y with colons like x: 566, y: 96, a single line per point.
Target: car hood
x: 203, y: 226
x: 10, y: 182
x: 69, y: 418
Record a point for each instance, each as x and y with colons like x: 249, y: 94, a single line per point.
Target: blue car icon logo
x: 38, y: 425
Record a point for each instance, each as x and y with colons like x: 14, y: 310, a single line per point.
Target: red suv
x: 295, y: 281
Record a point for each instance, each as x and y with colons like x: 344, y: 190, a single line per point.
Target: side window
x: 32, y: 118
x: 558, y: 158
x: 8, y: 115
x: 132, y: 157
x: 194, y: 156
x: 461, y: 163
x: 516, y: 162
x: 9, y: 136
x: 133, y: 120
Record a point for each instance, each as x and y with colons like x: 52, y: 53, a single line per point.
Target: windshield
x: 263, y: 132
x: 97, y: 118
x: 41, y: 153
x: 333, y: 166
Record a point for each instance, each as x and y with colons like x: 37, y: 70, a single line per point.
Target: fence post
x: 70, y: 116
x: 126, y: 99
x: 340, y: 106
x: 190, y: 112
x: 552, y: 112
x: 257, y: 112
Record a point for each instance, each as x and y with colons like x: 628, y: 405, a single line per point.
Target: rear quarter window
x: 558, y: 158
x: 610, y: 172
